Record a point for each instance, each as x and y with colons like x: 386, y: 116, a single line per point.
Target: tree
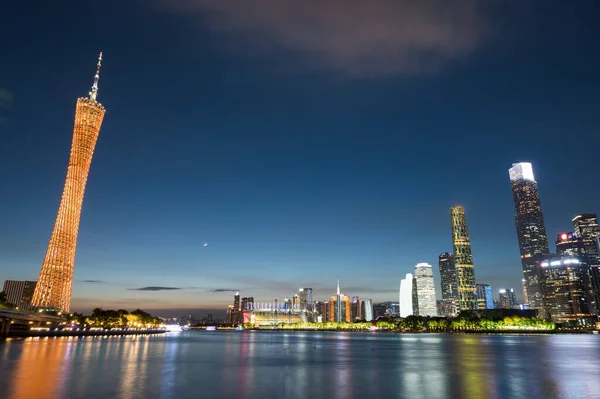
x: 2, y: 297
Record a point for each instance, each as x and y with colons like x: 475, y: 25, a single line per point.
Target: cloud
x: 93, y: 281
x: 215, y: 290
x: 353, y: 37
x: 153, y: 288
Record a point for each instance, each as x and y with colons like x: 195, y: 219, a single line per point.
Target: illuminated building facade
x: 54, y: 285
x: 449, y: 284
x: 355, y: 308
x: 306, y: 299
x: 339, y: 307
x: 485, y: 297
x: 247, y: 303
x: 586, y: 228
x: 19, y: 293
x: 565, y: 283
x: 406, y: 295
x: 366, y: 309
x: 531, y: 231
x: 425, y: 288
x: 237, y: 310
x: 463, y: 260
x: 569, y: 244
x: 507, y: 298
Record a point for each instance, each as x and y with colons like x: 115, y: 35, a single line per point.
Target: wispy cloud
x: 154, y: 288
x: 93, y: 281
x: 354, y: 37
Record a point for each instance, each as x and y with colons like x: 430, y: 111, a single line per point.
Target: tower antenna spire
x: 94, y: 91
x: 338, y: 286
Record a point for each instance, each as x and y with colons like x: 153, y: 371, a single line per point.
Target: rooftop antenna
x: 94, y: 91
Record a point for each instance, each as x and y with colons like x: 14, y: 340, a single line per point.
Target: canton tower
x: 53, y: 289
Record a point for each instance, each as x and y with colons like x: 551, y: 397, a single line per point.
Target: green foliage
x: 431, y: 324
x: 116, y: 318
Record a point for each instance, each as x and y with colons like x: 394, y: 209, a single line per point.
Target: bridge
x: 10, y: 318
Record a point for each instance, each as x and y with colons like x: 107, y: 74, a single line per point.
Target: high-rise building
x: 425, y: 290
x: 569, y: 244
x: 463, y: 260
x: 355, y: 309
x: 54, y: 285
x: 485, y: 297
x: 449, y: 283
x: 339, y: 307
x: 306, y: 299
x: 586, y: 228
x: 247, y: 303
x: 406, y: 295
x: 230, y: 315
x: 366, y: 309
x: 508, y: 298
x: 237, y: 313
x: 531, y: 230
x: 565, y: 283
x: 19, y: 293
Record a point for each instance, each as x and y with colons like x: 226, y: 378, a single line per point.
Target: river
x: 254, y: 364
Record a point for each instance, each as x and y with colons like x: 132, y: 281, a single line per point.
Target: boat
x: 211, y: 328
x: 239, y: 328
x: 174, y: 327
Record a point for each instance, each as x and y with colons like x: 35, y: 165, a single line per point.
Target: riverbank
x: 81, y: 333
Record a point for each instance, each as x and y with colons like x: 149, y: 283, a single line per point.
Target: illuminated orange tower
x: 53, y: 289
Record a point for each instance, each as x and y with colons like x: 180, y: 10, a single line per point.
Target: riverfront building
x: 425, y: 287
x: 463, y: 258
x: 531, y: 231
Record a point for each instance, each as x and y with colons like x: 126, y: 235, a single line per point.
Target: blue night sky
x: 304, y: 141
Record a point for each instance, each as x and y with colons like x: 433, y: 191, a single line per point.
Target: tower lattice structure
x: 54, y: 285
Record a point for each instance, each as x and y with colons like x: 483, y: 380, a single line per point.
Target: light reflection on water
x: 250, y: 365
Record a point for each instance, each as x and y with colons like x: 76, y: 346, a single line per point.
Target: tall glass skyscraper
x: 586, y: 228
x: 531, y: 231
x: 406, y: 295
x: 449, y: 283
x: 366, y: 309
x: 425, y: 290
x: 485, y: 297
x: 463, y: 258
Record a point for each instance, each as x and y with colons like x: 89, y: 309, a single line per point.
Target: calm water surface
x: 302, y: 365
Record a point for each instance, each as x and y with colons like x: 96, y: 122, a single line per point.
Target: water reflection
x: 39, y: 379
x: 302, y: 365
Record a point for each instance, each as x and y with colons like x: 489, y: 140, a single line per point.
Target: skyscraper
x: 485, y: 297
x: 355, y: 309
x: 54, y: 285
x: 236, y: 312
x: 425, y: 290
x: 586, y: 228
x: 449, y: 283
x: 366, y: 309
x: 406, y: 295
x: 247, y: 303
x: 565, y: 284
x: 463, y: 258
x: 507, y: 298
x: 339, y: 307
x: 531, y: 230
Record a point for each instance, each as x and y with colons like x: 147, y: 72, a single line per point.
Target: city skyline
x: 293, y: 173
